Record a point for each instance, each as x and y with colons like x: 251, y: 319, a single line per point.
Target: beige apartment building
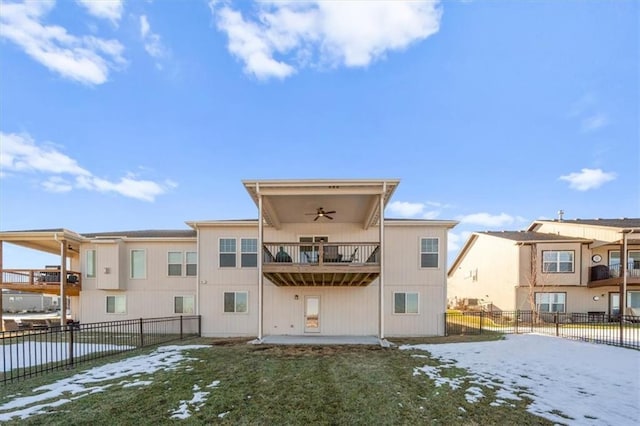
x: 320, y: 259
x: 554, y: 266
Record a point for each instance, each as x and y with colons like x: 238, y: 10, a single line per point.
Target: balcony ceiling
x: 296, y: 201
x: 46, y: 240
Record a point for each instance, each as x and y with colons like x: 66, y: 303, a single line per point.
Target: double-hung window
x: 138, y: 264
x: 174, y: 261
x: 236, y: 302
x: 429, y: 252
x: 405, y: 303
x: 248, y: 252
x: 179, y: 265
x: 183, y: 305
x: 91, y: 264
x: 116, y: 304
x: 551, y: 302
x: 227, y: 252
x: 557, y: 261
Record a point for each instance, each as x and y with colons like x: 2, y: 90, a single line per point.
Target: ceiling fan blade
x: 316, y: 218
x: 331, y: 212
x: 329, y: 217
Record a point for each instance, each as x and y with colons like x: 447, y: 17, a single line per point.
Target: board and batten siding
x: 148, y: 297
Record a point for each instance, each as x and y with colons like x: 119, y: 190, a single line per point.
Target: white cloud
x: 588, y: 179
x: 455, y: 240
x: 104, y: 9
x: 316, y: 33
x: 86, y: 59
x: 488, y: 220
x: 405, y: 209
x: 20, y: 154
x: 152, y: 42
x: 594, y: 122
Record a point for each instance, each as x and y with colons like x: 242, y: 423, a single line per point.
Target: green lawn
x: 261, y: 384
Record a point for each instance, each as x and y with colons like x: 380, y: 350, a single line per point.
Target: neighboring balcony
x: 321, y: 264
x: 602, y: 275
x: 41, y: 281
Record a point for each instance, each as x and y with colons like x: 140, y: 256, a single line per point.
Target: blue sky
x: 120, y: 115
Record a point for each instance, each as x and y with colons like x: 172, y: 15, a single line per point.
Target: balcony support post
x: 1, y: 286
x: 260, y: 261
x: 381, y: 279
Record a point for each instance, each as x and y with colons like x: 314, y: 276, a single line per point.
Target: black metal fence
x: 591, y: 327
x: 30, y: 352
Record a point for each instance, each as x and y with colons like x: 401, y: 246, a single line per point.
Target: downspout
x: 198, y: 270
x: 260, y: 260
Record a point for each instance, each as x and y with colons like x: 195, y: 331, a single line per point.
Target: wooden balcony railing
x: 602, y: 275
x: 326, y: 254
x: 321, y: 264
x: 41, y: 280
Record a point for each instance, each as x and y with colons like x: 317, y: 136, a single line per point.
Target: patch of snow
x: 222, y: 415
x: 215, y: 384
x: 91, y: 381
x: 569, y: 382
x: 137, y: 383
x: 473, y: 394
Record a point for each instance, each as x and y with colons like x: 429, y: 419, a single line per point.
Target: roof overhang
x: 296, y: 201
x: 48, y: 241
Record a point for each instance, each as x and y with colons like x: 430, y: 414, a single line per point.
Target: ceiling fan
x: 321, y: 213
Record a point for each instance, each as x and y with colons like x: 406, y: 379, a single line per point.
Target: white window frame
x: 187, y: 264
x: 242, y: 252
x: 406, y: 294
x: 93, y: 255
x: 557, y: 262
x: 550, y: 302
x: 169, y: 263
x: 235, y: 302
x: 183, y: 297
x: 131, y: 265
x: 437, y: 253
x: 235, y: 253
x: 115, y: 304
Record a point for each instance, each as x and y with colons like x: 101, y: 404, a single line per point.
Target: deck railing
x: 35, y: 277
x: 604, y: 272
x: 321, y: 253
x: 31, y: 352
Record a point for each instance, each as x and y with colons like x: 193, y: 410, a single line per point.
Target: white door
x: 312, y: 314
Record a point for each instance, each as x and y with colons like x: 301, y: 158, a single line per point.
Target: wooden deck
x: 45, y: 281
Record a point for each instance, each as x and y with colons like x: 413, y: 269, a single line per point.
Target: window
x: 91, y: 264
x: 249, y: 252
x: 633, y: 263
x: 183, y: 305
x: 192, y: 263
x: 138, y: 264
x: 227, y: 252
x: 633, y: 299
x: 116, y: 304
x: 236, y: 302
x: 428, y: 252
x: 551, y: 302
x: 175, y: 263
x: 557, y: 261
x: 405, y: 303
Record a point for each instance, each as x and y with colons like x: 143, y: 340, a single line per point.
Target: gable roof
x: 622, y: 223
x: 149, y: 233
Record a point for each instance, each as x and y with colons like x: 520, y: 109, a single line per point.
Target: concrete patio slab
x: 320, y: 340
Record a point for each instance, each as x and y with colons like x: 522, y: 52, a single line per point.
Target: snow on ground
x: 195, y: 403
x: 27, y: 354
x: 95, y: 380
x: 569, y: 382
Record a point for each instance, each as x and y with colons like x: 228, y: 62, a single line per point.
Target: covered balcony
x: 41, y: 281
x: 321, y: 264
x: 603, y: 275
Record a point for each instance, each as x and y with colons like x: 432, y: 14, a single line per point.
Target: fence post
x: 199, y: 325
x: 481, y: 317
x: 555, y: 320
x: 141, y: 333
x: 517, y: 319
x: 180, y: 327
x: 446, y: 328
x: 70, y: 328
